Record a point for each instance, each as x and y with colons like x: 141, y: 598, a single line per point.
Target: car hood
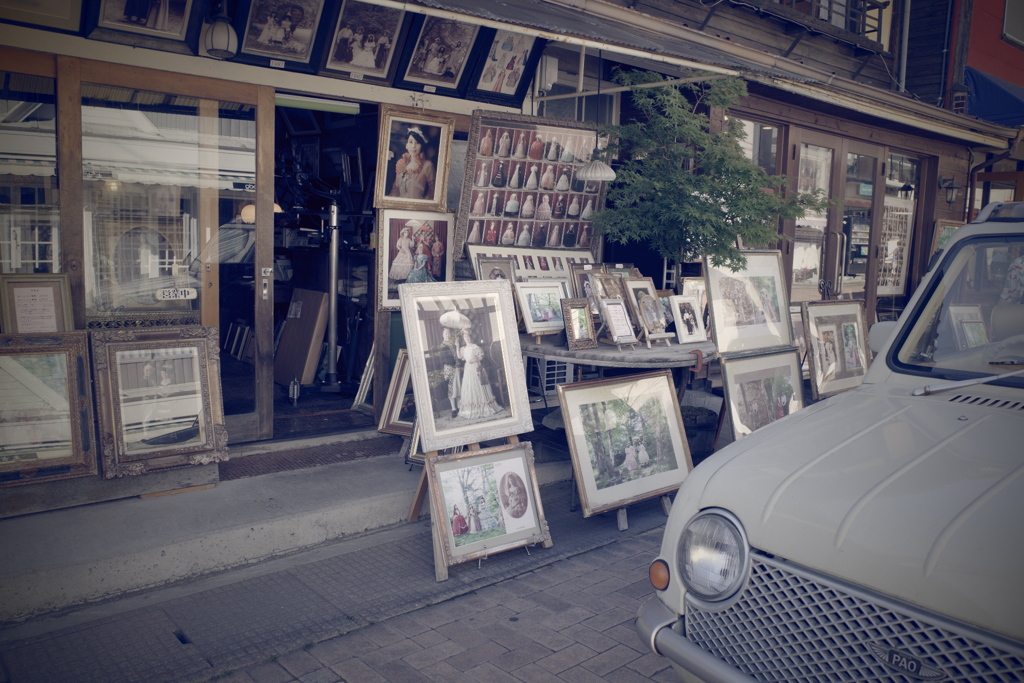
x: 894, y: 493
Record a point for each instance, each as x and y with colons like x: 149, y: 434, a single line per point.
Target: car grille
x: 791, y: 624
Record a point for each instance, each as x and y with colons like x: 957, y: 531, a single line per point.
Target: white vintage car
x: 877, y: 535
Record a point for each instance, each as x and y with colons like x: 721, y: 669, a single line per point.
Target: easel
x: 604, y: 336
x: 656, y: 337
x: 621, y: 517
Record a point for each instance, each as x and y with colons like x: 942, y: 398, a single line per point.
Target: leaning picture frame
x: 35, y: 303
x: 688, y: 319
x: 485, y: 502
x: 159, y: 396
x: 540, y: 306
x: 412, y: 246
x: 761, y: 389
x: 48, y: 431
x: 505, y: 69
x: 522, y: 172
x: 467, y: 368
x: 530, y: 263
x: 399, y: 413
x: 412, y: 168
x: 365, y: 42
x: 617, y: 326
x: 836, y: 335
x: 495, y: 268
x: 958, y: 315
x: 749, y: 307
x: 441, y: 58
x: 579, y: 324
x: 635, y: 288
x: 626, y: 439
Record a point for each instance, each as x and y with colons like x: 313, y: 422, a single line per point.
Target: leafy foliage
x: 684, y: 190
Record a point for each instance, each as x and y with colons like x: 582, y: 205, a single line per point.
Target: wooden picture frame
x: 761, y: 389
x: 540, y: 306
x: 495, y: 268
x: 471, y: 328
x: 399, y: 413
x: 412, y: 246
x: 408, y: 179
x: 836, y: 334
x: 48, y: 425
x: 439, y: 56
x: 626, y: 439
x: 522, y: 170
x: 62, y: 15
x: 688, y: 319
x: 944, y: 229
x: 796, y: 316
x: 159, y: 397
x: 282, y: 33
x: 635, y: 287
x: 579, y: 324
x: 484, y: 502
x: 749, y: 307
x: 36, y: 303
x: 532, y: 264
x: 366, y: 42
x: 506, y: 67
x: 581, y: 274
x: 617, y: 326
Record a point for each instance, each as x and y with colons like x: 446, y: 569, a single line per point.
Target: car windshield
x: 972, y: 322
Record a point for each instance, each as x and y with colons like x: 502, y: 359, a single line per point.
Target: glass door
x: 814, y: 172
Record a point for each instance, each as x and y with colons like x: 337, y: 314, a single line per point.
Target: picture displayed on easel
x: 485, y: 501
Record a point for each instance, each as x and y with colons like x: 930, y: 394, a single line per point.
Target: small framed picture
x: 159, y: 397
x: 762, y: 389
x: 626, y: 439
x: 503, y: 74
x: 959, y: 314
x: 616, y: 321
x: 485, y: 502
x: 48, y: 427
x: 836, y: 333
x: 608, y: 286
x: 688, y: 320
x: 412, y: 246
x: 467, y: 368
x: 579, y: 324
x: 36, y: 303
x: 749, y: 307
x: 412, y: 171
x: 540, y: 306
x: 399, y: 414
x: 635, y: 288
x: 365, y: 41
x: 283, y: 31
x: 495, y: 268
x: 441, y: 58
x: 582, y: 276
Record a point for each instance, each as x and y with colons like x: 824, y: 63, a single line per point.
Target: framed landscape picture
x: 626, y: 439
x: 749, y: 307
x: 503, y: 73
x: 47, y: 430
x: 399, y: 414
x: 412, y: 169
x: 485, y: 502
x: 412, y: 246
x: 836, y: 333
x: 35, y: 303
x: 540, y: 306
x: 467, y: 368
x: 579, y: 324
x: 365, y: 41
x: 159, y: 396
x: 762, y: 389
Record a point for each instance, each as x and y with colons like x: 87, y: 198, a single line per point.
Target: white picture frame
x: 749, y: 307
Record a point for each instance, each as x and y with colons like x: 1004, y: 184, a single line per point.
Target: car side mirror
x: 879, y: 334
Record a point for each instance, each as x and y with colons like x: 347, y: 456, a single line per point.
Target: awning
x: 994, y: 99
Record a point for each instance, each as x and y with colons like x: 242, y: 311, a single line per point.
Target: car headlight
x: 713, y: 555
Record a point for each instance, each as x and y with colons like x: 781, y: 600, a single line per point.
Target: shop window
x: 29, y: 204
x: 901, y: 183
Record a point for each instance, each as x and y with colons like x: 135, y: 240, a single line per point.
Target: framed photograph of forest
x: 485, y: 502
x: 626, y: 439
x: 836, y: 334
x: 467, y: 368
x: 761, y: 389
x: 749, y: 307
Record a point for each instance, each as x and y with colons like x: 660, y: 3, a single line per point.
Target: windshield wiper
x: 935, y: 388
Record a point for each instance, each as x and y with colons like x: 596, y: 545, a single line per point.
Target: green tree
x: 684, y: 190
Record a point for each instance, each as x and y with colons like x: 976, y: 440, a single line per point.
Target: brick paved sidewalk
x: 571, y: 620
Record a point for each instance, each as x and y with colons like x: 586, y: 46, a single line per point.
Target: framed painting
x: 495, y: 268
x: 168, y: 19
x: 159, y: 398
x: 532, y: 264
x: 399, y: 414
x: 636, y: 289
x: 467, y: 369
x: 485, y: 502
x: 749, y: 307
x: 503, y: 75
x: 540, y: 306
x: 688, y: 320
x: 282, y: 33
x: 365, y: 41
x: 412, y: 246
x: 63, y: 15
x: 626, y: 439
x: 582, y: 276
x: 617, y: 326
x: 836, y: 332
x: 958, y: 315
x: 521, y: 174
x: 608, y: 286
x: 944, y: 229
x: 761, y: 389
x: 36, y: 303
x: 46, y: 423
x: 579, y: 324
x: 414, y: 149
x: 441, y: 56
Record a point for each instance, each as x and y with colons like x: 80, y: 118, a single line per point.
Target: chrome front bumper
x: 654, y: 626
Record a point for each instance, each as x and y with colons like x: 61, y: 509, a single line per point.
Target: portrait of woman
x: 414, y: 170
x: 459, y: 525
x: 477, y: 399
x: 414, y: 160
